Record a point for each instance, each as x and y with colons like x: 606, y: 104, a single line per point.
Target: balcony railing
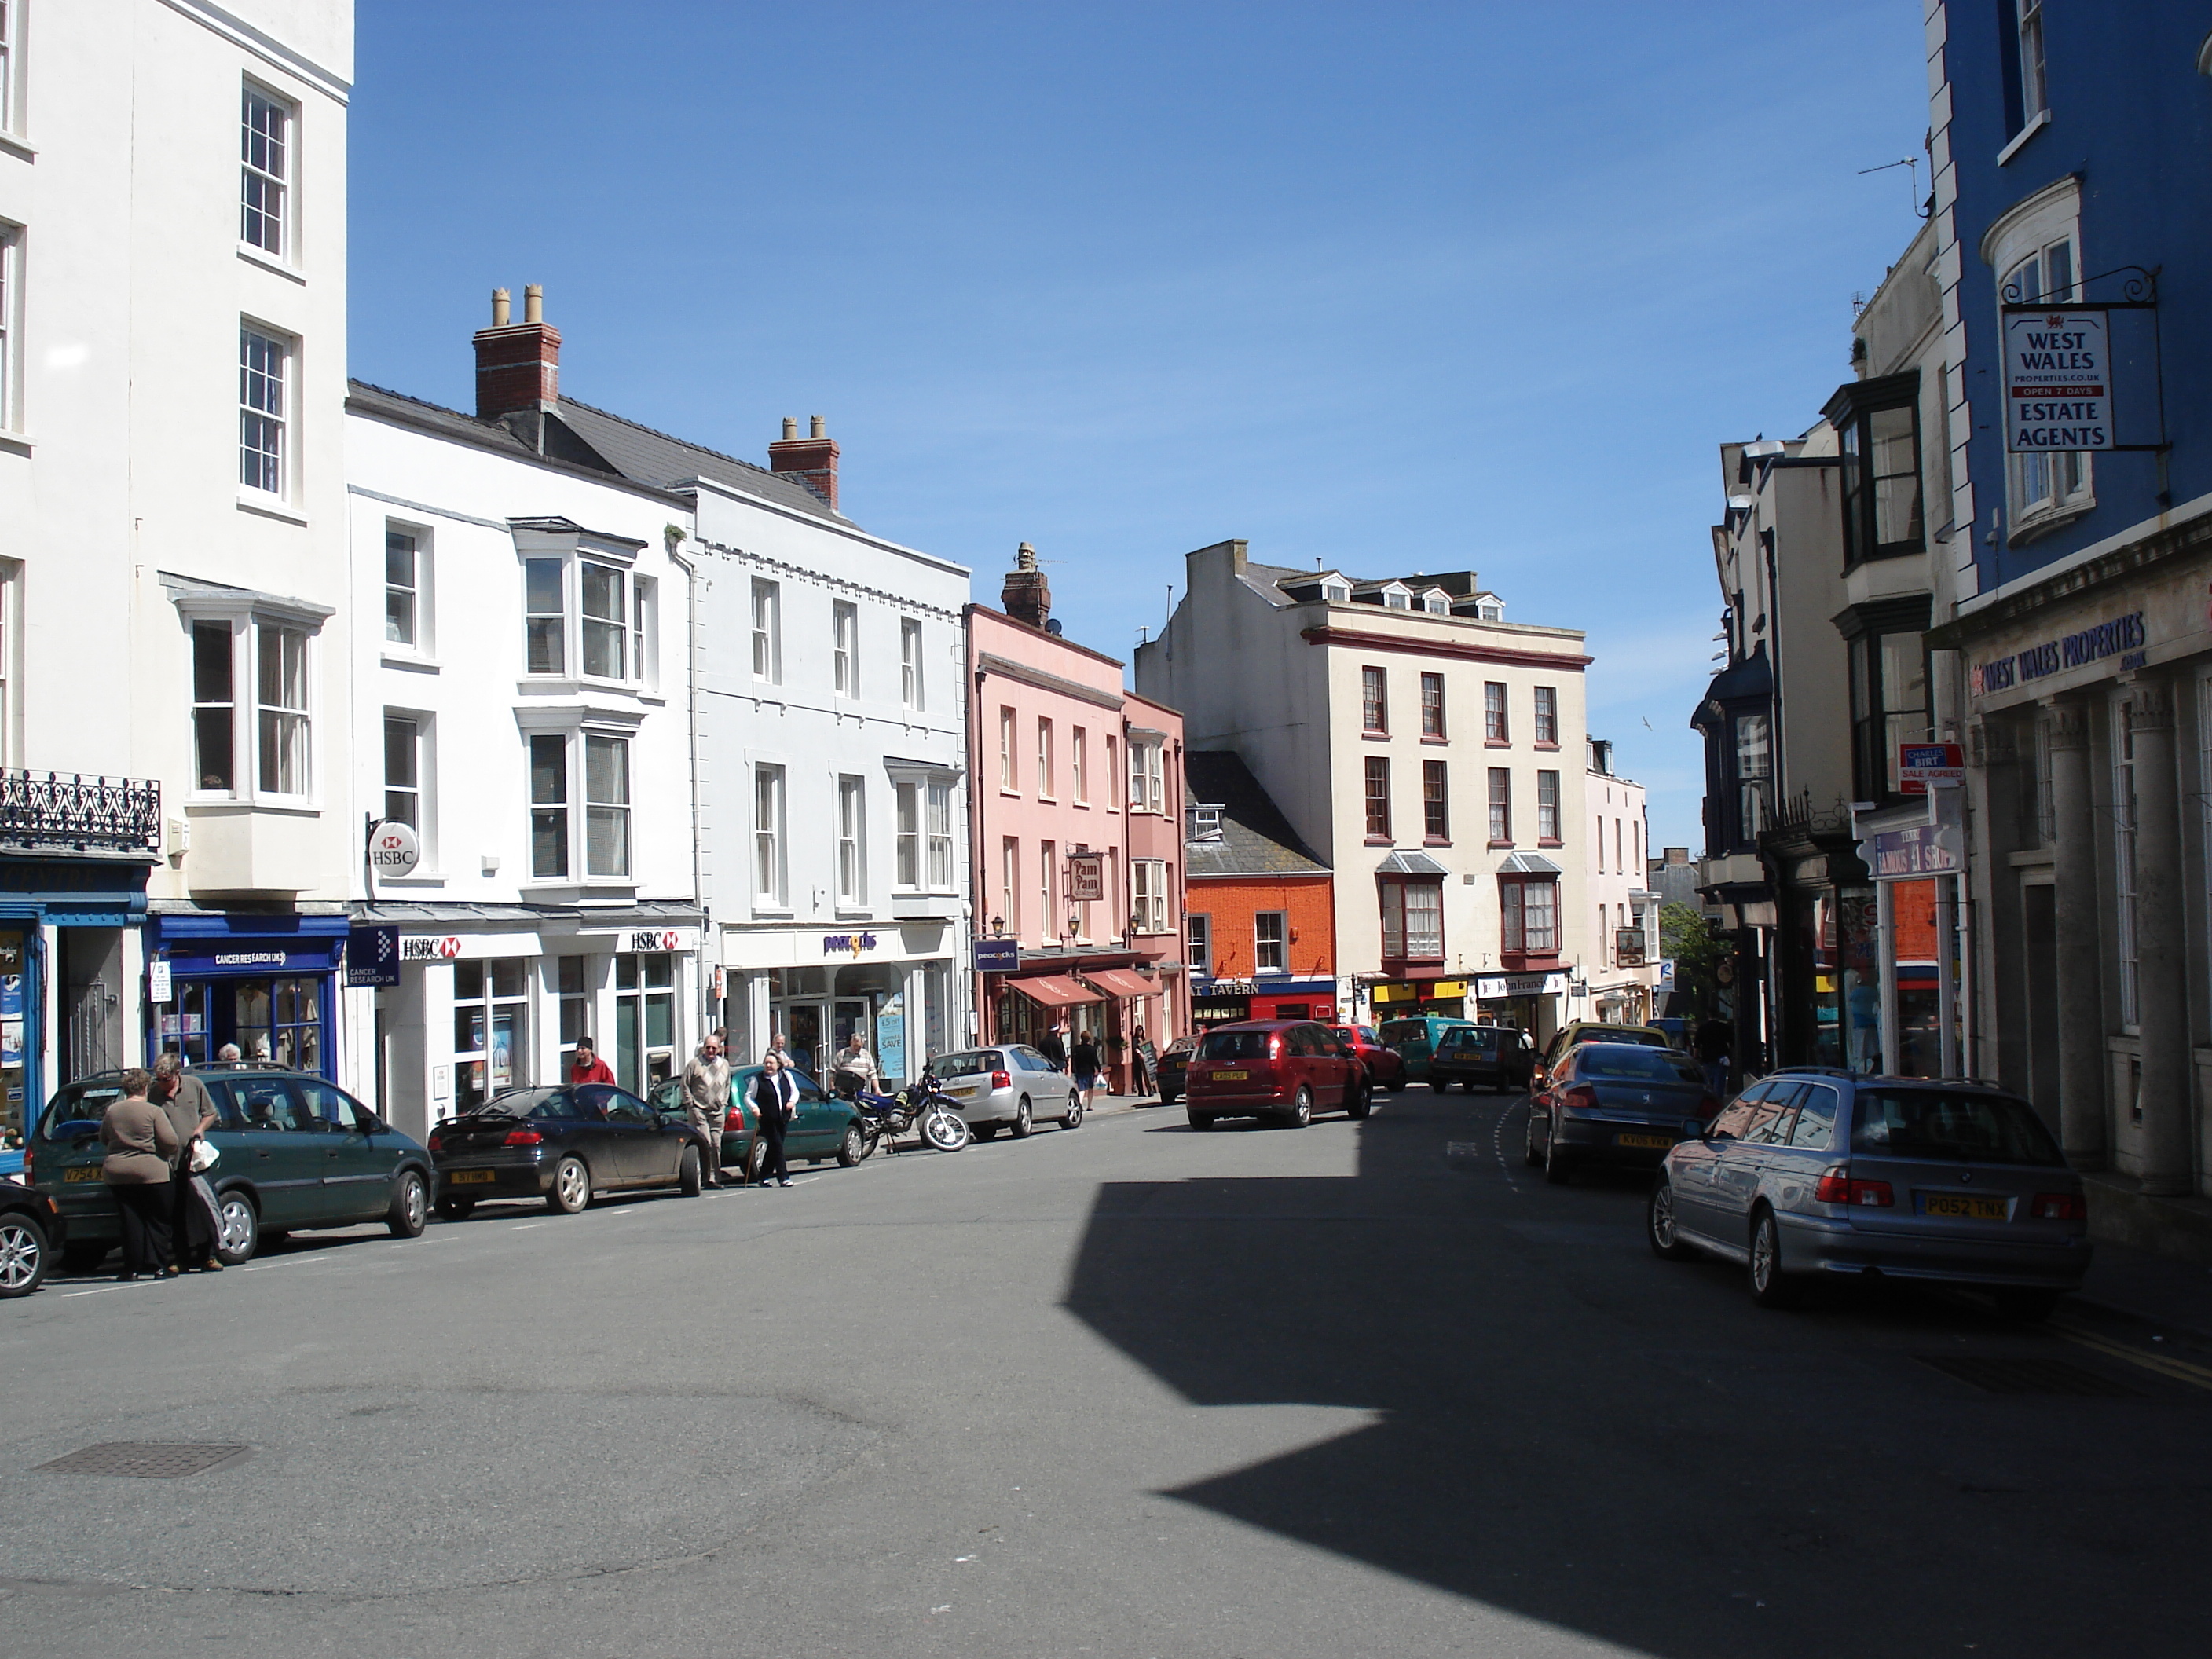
x: 107, y: 815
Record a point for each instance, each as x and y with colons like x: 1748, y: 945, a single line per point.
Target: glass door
x: 803, y: 1023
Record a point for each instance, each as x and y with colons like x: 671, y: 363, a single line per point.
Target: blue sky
x: 1395, y: 287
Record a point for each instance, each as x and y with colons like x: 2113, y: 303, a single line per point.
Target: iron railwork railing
x: 116, y: 815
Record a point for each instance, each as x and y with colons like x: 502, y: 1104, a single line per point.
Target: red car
x: 1386, y: 1067
x: 1281, y: 1068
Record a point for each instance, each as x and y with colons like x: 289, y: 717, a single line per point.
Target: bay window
x: 597, y: 615
x: 549, y: 808
x: 1888, y: 662
x: 1530, y: 911
x: 606, y: 806
x: 1147, y: 781
x: 1413, y: 920
x: 1148, y: 893
x: 252, y: 681
x: 1878, y: 432
x: 907, y: 804
x: 940, y: 835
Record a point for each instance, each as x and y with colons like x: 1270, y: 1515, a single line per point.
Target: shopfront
x: 266, y: 984
x: 889, y: 985
x: 1219, y: 1001
x: 1408, y: 998
x: 1533, y: 1003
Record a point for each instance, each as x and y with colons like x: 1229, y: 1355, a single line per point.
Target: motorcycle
x: 886, y: 1117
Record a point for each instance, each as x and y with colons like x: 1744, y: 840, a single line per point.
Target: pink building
x: 1075, y: 833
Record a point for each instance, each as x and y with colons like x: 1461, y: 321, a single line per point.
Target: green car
x: 825, y: 1126
x: 295, y: 1150
x: 1416, y: 1040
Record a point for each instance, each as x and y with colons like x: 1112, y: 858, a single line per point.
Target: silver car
x: 1008, y: 1087
x: 1810, y: 1170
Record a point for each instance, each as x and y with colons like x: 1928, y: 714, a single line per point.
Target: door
x: 1695, y: 1164
x: 1796, y: 1165
x: 803, y: 1023
x: 278, y: 1150
x: 358, y: 1165
x: 92, y: 999
x: 643, y: 1149
x: 587, y: 1132
x: 1747, y: 1161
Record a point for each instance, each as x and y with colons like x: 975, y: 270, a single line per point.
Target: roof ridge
x: 704, y: 449
x: 419, y: 403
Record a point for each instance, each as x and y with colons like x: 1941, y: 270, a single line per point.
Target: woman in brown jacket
x: 141, y: 1145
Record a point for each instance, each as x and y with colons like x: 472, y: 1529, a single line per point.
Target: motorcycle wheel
x: 947, y: 1132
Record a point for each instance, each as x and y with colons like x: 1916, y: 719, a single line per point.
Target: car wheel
x: 23, y: 1255
x: 1557, y: 1167
x: 2027, y: 1303
x: 241, y: 1229
x: 1659, y: 1224
x: 1358, y: 1101
x: 987, y: 1131
x: 1301, y: 1109
x: 1201, y: 1120
x: 1397, y: 1084
x: 853, y: 1147
x: 572, y: 1187
x: 1022, y: 1124
x: 690, y: 1177
x: 1529, y: 1155
x: 410, y: 1205
x: 1168, y: 1096
x: 456, y: 1209
x: 1770, y: 1287
x: 83, y: 1258
x: 1074, y: 1118
x: 756, y: 1160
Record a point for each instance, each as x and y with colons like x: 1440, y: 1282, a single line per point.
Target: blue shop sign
x: 998, y: 956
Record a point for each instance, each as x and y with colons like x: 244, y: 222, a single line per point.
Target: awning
x: 1120, y: 982
x: 1054, y: 991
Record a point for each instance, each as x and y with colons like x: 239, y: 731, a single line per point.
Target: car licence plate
x: 464, y: 1177
x: 1967, y: 1206
x: 1232, y: 1077
x: 1643, y: 1140
x: 83, y: 1172
x: 967, y: 1093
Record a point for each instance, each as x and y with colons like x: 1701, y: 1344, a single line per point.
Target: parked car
x: 295, y: 1152
x: 1618, y: 1104
x: 1415, y: 1038
x: 1811, y: 1170
x: 741, y: 1153
x: 1007, y: 1088
x: 32, y: 1233
x: 825, y: 1126
x: 1170, y: 1073
x: 1281, y: 1068
x: 1596, y: 1030
x: 1483, y: 1057
x: 1386, y: 1067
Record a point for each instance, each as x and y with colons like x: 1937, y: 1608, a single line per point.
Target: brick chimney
x: 812, y: 459
x: 517, y: 365
x: 1027, y: 596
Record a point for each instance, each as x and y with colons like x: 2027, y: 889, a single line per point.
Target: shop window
x: 1413, y: 921
x: 1271, y: 947
x: 1199, y: 941
x: 1530, y: 911
x: 491, y: 1029
x: 1436, y: 803
x: 279, y: 1020
x: 1378, y: 796
x: 1373, y: 701
x: 645, y: 1021
x: 1432, y: 705
x: 573, y: 988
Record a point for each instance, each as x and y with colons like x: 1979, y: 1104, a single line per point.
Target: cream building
x: 1619, y: 977
x: 1426, y: 749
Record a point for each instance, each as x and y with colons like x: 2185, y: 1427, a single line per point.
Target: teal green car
x: 296, y: 1152
x: 825, y: 1126
x: 1415, y: 1039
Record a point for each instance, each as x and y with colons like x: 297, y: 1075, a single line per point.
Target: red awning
x: 1122, y: 982
x: 1053, y: 990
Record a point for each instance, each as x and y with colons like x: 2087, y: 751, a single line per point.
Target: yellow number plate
x: 457, y: 1177
x: 83, y: 1172
x: 967, y: 1093
x: 1965, y: 1206
x: 1232, y: 1077
x: 1643, y: 1140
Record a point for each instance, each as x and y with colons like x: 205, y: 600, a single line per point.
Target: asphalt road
x: 1129, y: 1391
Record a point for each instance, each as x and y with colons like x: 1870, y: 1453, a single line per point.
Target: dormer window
x: 1436, y: 607
x: 1336, y: 592
x: 1397, y: 599
x: 1491, y: 612
x: 1205, y: 823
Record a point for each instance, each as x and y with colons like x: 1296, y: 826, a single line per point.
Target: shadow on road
x: 1570, y: 1430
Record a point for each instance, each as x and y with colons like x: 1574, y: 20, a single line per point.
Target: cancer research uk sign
x: 2058, y: 393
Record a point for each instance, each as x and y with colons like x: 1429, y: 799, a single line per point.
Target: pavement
x: 1128, y: 1389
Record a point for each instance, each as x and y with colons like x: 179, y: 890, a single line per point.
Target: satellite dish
x: 1053, y: 627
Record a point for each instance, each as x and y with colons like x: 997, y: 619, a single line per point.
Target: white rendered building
x: 176, y: 840
x: 1619, y: 974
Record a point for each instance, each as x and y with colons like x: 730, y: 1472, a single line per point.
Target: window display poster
x: 890, y: 1037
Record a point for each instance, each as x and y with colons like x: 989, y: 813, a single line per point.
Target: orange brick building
x: 1261, y: 929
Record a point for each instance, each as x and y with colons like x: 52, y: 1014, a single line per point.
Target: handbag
x: 205, y: 1154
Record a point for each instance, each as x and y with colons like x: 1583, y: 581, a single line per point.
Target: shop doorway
x: 92, y: 1000
x: 803, y: 1023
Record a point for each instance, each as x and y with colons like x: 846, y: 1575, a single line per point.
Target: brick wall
x: 1233, y: 902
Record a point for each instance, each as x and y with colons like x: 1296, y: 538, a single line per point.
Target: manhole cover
x: 1994, y: 1374
x: 147, y: 1459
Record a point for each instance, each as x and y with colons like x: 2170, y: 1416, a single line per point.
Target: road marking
x: 525, y: 1226
x: 2179, y: 1369
x: 288, y: 1261
x: 101, y: 1290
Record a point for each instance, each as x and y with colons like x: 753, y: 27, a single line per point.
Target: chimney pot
x: 821, y: 427
x: 499, y: 307
x: 812, y: 461
x: 790, y: 428
x: 533, y: 303
x: 518, y: 364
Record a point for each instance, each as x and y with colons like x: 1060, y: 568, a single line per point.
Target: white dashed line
x: 525, y: 1226
x: 288, y: 1261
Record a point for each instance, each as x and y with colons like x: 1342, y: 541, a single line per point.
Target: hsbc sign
x: 656, y: 939
x: 429, y: 947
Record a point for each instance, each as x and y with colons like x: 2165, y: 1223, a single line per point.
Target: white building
x: 1619, y: 976
x: 173, y: 309
x: 1422, y: 747
x: 530, y: 681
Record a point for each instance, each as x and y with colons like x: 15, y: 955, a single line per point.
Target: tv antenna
x: 1912, y: 162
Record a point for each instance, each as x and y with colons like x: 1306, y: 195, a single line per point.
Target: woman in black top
x: 1083, y: 1061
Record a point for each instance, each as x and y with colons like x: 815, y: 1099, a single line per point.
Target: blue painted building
x: 2069, y: 146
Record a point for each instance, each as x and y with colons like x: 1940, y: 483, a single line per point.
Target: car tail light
x: 522, y: 1138
x: 436, y: 1143
x: 2059, y: 1206
x: 1275, y: 1046
x: 1836, y: 1187
x: 1002, y: 1080
x: 1580, y: 1098
x: 734, y: 1124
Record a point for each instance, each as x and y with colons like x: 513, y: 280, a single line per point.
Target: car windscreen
x: 543, y: 1103
x: 1405, y: 1030
x: 1612, y: 1060
x: 77, y: 1110
x: 1648, y: 1039
x: 1950, y: 1125
x: 961, y: 1064
x: 1234, y: 1045
x: 1467, y: 1040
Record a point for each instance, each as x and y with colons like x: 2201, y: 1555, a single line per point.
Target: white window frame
x: 907, y: 797
x: 937, y: 802
x: 766, y: 631
x: 415, y: 591
x: 911, y: 688
x: 632, y: 627
x: 1047, y: 858
x: 414, y: 792
x: 845, y: 648
x: 11, y: 64
x: 851, y: 842
x: 610, y: 807
x: 1113, y: 772
x: 1148, y: 893
x: 2042, y: 492
x: 1009, y: 774
x: 1009, y: 885
x: 1047, y: 785
x: 1278, y: 946
x: 1147, y: 776
x: 251, y: 621
x: 268, y: 163
x: 2034, y: 64
x: 771, y: 860
x: 556, y: 803
x: 268, y: 448
x: 1198, y: 943
x: 1079, y: 765
x: 11, y: 333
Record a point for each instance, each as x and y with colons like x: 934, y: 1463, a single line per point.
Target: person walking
x: 1714, y: 1041
x: 1141, y: 1055
x: 585, y: 1066
x: 1083, y: 1061
x: 707, y: 1102
x: 1052, y: 1045
x: 194, y: 1226
x: 775, y: 1101
x: 855, y: 1066
x: 141, y: 1145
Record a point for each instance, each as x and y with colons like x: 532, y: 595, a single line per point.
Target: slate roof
x: 1256, y: 839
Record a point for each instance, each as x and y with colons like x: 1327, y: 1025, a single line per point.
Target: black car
x: 1482, y: 1057
x: 1172, y: 1069
x: 1617, y: 1104
x: 563, y: 1144
x: 32, y: 1232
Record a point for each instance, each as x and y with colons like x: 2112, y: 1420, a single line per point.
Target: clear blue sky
x: 1397, y: 286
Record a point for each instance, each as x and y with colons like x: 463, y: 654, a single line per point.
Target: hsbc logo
x: 656, y: 940
x: 429, y: 947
